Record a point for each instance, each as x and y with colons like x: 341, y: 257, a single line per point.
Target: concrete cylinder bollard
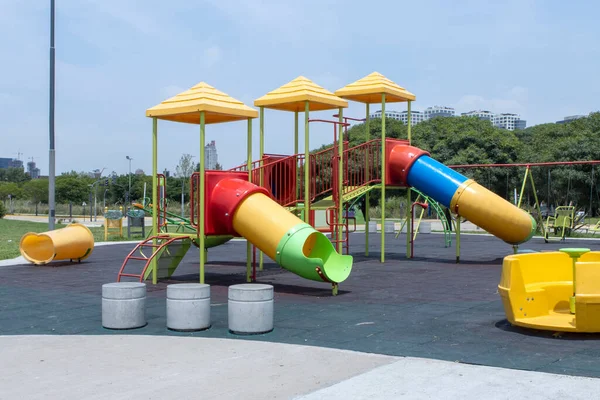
x: 390, y: 227
x: 124, y: 305
x: 250, y: 308
x: 188, y: 307
x: 425, y: 227
x: 372, y: 226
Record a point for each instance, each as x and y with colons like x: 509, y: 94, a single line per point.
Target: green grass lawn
x: 11, y: 232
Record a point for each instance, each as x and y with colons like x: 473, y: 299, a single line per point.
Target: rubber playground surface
x: 428, y: 307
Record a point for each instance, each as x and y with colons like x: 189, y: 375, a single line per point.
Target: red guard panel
x: 212, y: 226
x: 391, y: 175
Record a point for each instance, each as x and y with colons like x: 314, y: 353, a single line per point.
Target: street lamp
x: 129, y: 158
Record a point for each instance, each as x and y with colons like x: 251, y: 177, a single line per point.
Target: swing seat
x: 561, y: 223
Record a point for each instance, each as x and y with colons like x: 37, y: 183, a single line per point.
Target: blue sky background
x: 116, y: 58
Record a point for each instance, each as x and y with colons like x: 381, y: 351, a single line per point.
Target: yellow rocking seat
x: 537, y: 290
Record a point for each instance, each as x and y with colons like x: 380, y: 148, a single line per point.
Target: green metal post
x: 249, y: 167
x: 408, y: 225
x: 340, y: 203
x: 153, y: 263
x: 306, y: 163
x: 523, y: 187
x: 383, y: 160
x: 458, y: 225
x: 201, y: 190
x: 537, y: 205
x: 262, y: 172
x: 296, y: 132
x: 367, y: 177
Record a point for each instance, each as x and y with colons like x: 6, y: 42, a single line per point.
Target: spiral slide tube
x: 414, y: 167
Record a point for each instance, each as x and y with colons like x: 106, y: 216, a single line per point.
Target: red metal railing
x: 363, y: 165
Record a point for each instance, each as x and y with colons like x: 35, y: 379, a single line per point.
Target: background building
x: 570, y: 118
x: 438, y: 111
x: 505, y: 121
x: 32, y: 170
x: 10, y: 163
x: 210, y: 155
x: 481, y: 114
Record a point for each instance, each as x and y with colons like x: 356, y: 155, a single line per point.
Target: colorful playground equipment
x: 74, y: 242
x: 558, y: 291
x: 226, y: 204
x: 113, y: 223
x: 465, y: 197
x: 284, y: 204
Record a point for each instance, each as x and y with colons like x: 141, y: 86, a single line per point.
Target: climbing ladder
x: 440, y: 213
x: 168, y: 252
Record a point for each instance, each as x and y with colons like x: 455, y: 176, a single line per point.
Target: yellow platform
x: 537, y: 288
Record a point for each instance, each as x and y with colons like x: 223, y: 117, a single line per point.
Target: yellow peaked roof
x: 370, y: 88
x: 293, y: 96
x: 187, y: 105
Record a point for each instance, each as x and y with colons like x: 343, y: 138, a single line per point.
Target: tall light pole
x: 51, y: 155
x: 129, y: 191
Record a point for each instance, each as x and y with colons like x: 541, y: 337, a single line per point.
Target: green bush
x: 2, y: 210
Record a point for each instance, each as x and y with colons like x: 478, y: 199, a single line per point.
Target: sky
x: 116, y: 58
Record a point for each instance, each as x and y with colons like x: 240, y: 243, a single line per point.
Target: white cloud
x: 212, y: 56
x: 513, y: 100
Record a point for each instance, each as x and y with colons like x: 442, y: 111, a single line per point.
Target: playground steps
x: 168, y: 252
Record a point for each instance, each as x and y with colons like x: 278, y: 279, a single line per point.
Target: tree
x: 16, y: 175
x: 36, y: 190
x: 219, y: 167
x: 184, y: 170
x: 9, y: 188
x: 71, y: 189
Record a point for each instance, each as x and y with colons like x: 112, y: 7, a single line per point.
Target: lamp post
x: 51, y: 155
x: 129, y: 158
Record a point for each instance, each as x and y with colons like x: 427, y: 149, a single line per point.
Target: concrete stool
x: 124, y: 305
x: 250, y: 308
x: 372, y: 226
x: 425, y: 227
x: 390, y: 227
x: 188, y: 307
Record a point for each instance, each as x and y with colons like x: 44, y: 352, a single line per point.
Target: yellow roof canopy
x: 217, y: 106
x: 293, y: 96
x: 370, y: 88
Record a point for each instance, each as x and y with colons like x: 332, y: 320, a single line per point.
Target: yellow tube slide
x: 492, y: 213
x: 73, y: 242
x: 290, y: 242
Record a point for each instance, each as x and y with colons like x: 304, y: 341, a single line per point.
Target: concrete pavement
x: 147, y: 367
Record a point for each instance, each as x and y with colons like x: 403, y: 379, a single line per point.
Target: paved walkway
x: 147, y: 367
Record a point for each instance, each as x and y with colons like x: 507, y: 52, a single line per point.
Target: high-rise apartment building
x: 438, y: 111
x: 210, y: 155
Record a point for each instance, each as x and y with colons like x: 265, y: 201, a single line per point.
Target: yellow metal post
x: 340, y: 203
x: 201, y: 190
x: 367, y: 178
x: 249, y: 167
x: 306, y: 163
x: 382, y: 201
x: 153, y: 263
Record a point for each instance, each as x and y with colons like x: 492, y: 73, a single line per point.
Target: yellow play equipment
x: 558, y: 290
x: 73, y: 242
x: 113, y: 222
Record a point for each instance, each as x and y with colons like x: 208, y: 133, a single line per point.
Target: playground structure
x: 226, y: 204
x: 283, y: 204
x: 561, y: 222
x: 558, y: 291
x: 74, y: 242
